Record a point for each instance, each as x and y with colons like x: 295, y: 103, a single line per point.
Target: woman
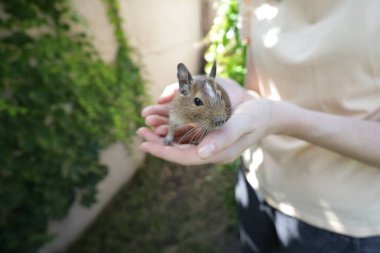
x: 311, y: 135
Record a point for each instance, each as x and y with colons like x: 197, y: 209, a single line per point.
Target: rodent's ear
x: 184, y: 79
x: 213, y: 70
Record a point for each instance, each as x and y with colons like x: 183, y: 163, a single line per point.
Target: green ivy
x: 60, y: 105
x: 225, y: 44
x: 128, y: 76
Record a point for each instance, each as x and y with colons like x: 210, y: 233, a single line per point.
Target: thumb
x: 221, y: 139
x: 168, y: 93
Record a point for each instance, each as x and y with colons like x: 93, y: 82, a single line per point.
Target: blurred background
x: 74, y: 76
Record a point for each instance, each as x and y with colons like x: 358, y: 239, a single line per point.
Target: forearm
x: 251, y: 78
x: 354, y: 138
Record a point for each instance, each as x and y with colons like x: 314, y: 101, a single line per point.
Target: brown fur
x: 216, y: 108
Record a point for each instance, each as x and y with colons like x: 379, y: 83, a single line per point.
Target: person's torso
x: 324, y: 56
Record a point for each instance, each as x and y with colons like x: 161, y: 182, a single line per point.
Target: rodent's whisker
x: 202, y: 128
x: 192, y: 138
x: 188, y: 133
x: 200, y: 135
x: 204, y: 133
x: 205, y: 130
x: 191, y: 131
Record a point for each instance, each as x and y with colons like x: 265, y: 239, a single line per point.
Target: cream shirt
x: 322, y: 55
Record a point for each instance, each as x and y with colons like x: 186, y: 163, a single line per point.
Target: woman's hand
x: 247, y: 125
x: 158, y: 115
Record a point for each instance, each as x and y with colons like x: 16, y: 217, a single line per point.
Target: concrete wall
x: 164, y: 33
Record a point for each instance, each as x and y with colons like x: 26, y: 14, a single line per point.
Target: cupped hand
x: 249, y: 123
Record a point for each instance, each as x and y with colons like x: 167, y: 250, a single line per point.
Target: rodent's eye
x: 198, y: 101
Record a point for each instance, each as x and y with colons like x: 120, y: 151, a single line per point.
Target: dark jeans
x: 264, y: 229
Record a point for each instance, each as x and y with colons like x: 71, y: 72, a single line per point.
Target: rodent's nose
x: 219, y: 120
x: 219, y: 123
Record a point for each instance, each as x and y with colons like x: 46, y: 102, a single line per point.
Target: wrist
x: 283, y: 118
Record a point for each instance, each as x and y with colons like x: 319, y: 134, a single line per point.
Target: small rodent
x: 200, y: 101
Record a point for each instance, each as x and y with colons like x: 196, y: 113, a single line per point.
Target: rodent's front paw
x: 168, y: 142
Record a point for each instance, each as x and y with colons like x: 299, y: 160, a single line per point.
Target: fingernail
x: 144, y: 111
x: 206, y: 151
x: 147, y: 110
x: 147, y: 120
x: 140, y: 131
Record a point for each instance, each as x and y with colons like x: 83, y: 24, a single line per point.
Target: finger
x: 162, y: 130
x: 156, y: 120
x: 179, y: 133
x: 153, y: 137
x: 231, y: 153
x: 168, y: 93
x: 222, y: 138
x: 181, y: 154
x: 148, y: 135
x: 161, y: 109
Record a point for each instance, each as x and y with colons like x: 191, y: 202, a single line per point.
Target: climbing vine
x: 60, y: 105
x: 226, y: 45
